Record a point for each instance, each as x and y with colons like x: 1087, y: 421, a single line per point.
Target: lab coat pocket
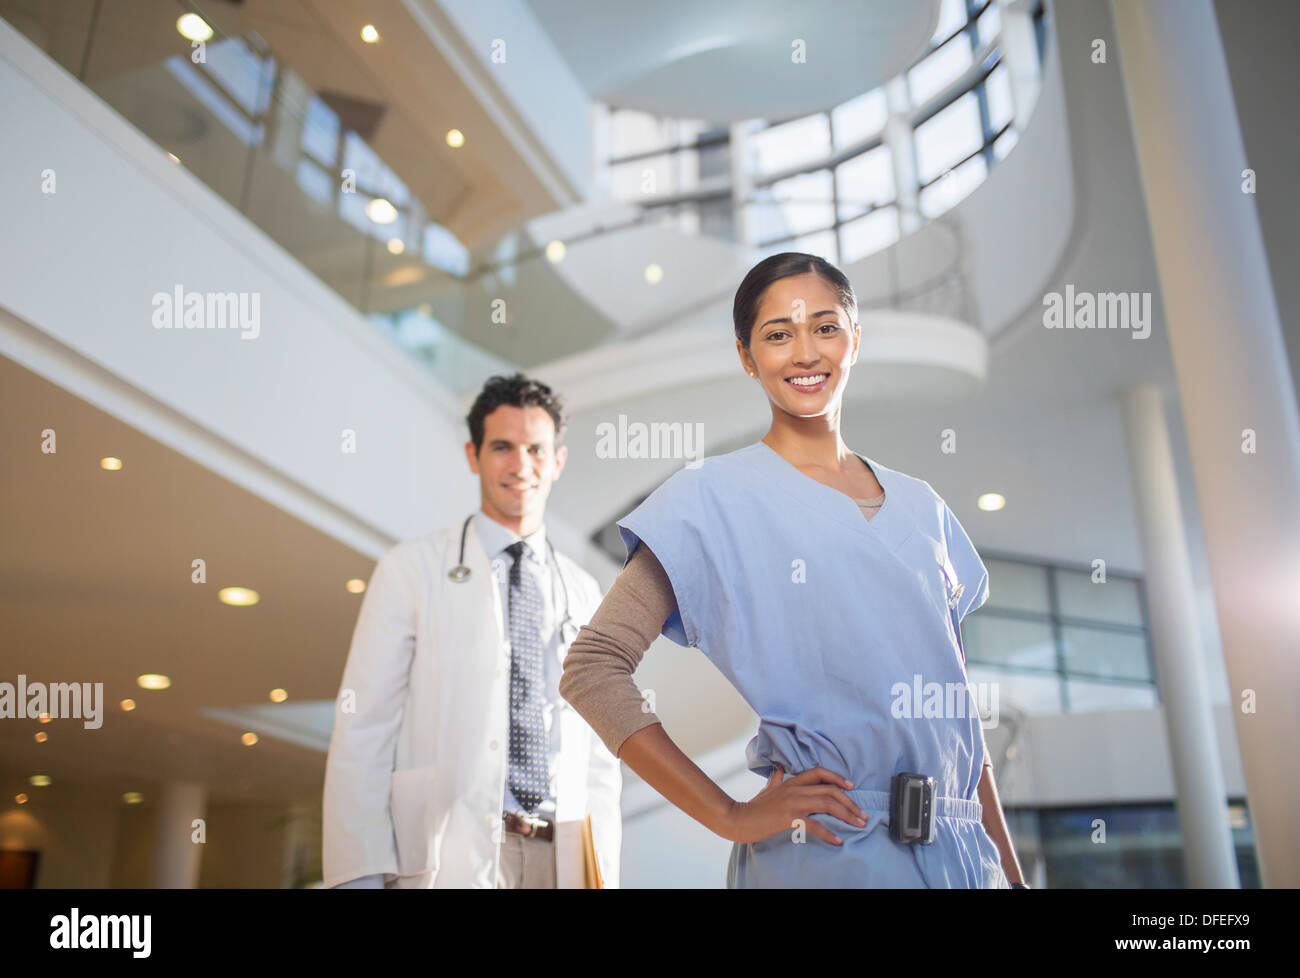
x: 417, y: 825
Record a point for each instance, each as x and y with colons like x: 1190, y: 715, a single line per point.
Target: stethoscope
x: 460, y: 574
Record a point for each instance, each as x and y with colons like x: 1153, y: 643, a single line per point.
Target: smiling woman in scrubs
x: 827, y: 588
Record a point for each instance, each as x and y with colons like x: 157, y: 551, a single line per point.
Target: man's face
x: 517, y: 462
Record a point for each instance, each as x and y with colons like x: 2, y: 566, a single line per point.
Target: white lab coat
x: 417, y: 762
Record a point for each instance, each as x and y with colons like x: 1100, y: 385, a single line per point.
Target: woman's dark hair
x: 745, y: 309
x: 517, y: 391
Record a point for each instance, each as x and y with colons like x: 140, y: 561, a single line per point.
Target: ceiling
x: 666, y: 58
x: 95, y: 586
x: 402, y: 94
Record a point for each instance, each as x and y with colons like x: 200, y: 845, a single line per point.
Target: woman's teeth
x: 807, y: 381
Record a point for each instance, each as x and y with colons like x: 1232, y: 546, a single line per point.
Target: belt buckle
x: 911, y: 808
x: 534, y: 823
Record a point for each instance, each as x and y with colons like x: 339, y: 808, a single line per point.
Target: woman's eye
x: 776, y: 334
x: 831, y: 325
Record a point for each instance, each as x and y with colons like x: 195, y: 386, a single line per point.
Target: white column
x: 1235, y: 388
x: 902, y: 154
x: 1180, y: 661
x: 176, y: 855
x: 742, y: 184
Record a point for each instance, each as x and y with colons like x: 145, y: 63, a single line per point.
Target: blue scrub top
x: 843, y: 636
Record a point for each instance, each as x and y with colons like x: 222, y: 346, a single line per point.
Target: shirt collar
x: 495, y: 537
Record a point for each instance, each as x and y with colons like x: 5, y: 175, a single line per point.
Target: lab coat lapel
x: 473, y: 728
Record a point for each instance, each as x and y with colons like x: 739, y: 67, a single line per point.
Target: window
x: 869, y: 234
x: 442, y: 249
x: 990, y: 23
x: 804, y: 202
x: 320, y: 133
x: 953, y: 186
x: 1056, y: 642
x: 863, y: 182
x: 792, y: 144
x: 828, y: 179
x: 1144, y: 845
x: 859, y: 118
x: 1003, y: 144
x: 651, y: 159
x: 948, y: 137
x: 242, y: 73
x: 939, y: 70
x: 997, y: 88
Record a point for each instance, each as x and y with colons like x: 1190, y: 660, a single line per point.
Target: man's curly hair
x: 517, y: 391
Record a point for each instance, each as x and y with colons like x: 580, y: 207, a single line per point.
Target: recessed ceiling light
x: 193, y: 27
x: 39, y: 780
x: 110, y: 463
x: 396, y: 246
x: 278, y: 695
x: 248, y: 739
x: 406, y: 275
x: 132, y: 797
x: 991, y: 501
x: 240, y: 597
x: 356, y: 585
x: 369, y: 34
x: 44, y: 718
x: 555, y: 251
x: 128, y: 705
x: 20, y: 798
x: 455, y: 138
x: 654, y: 274
x: 381, y: 211
x: 153, y: 680
x: 42, y: 736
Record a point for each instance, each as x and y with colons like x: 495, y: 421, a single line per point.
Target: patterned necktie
x: 529, y: 777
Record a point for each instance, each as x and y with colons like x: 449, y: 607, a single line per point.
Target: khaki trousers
x: 526, y: 863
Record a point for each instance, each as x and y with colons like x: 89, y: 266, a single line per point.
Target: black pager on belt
x: 911, y: 808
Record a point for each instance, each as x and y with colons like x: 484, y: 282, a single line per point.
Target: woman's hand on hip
x: 783, y: 803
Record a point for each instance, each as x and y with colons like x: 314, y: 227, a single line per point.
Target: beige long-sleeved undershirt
x: 597, y: 677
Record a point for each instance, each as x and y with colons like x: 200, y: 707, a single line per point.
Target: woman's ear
x: 857, y: 340
x: 746, y: 361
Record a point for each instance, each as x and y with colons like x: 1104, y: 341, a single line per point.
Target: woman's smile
x: 809, y: 383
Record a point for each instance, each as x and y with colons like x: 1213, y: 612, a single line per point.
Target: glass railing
x: 294, y: 161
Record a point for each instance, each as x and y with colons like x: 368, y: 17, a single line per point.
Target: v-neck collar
x: 892, y: 523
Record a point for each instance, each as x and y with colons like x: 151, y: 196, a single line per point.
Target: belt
x: 532, y: 826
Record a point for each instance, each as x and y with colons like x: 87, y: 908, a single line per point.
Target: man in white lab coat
x: 454, y: 761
